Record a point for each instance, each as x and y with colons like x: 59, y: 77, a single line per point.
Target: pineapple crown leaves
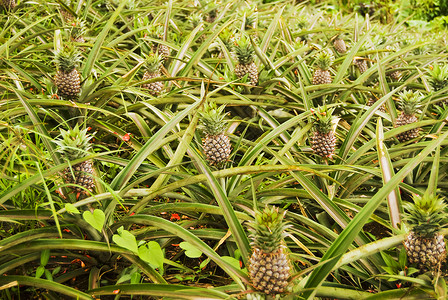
x: 155, y: 31
x: 268, y: 230
x: 426, y: 215
x: 322, y: 117
x: 212, y: 119
x: 74, y: 143
x: 244, y: 51
x: 67, y: 59
x: 324, y: 59
x: 438, y: 76
x: 195, y: 19
x: 78, y: 28
x: 226, y: 37
x: 153, y: 62
x: 410, y: 101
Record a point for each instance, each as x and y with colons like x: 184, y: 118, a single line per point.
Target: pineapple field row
x: 223, y: 150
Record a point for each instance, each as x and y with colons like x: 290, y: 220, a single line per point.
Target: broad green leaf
x: 126, y: 240
x: 71, y: 208
x: 95, y: 219
x: 190, y: 250
x: 152, y: 254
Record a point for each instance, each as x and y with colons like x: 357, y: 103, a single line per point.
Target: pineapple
x: 339, y: 45
x: 372, y: 101
x: 361, y: 63
x: 324, y: 60
x: 245, y: 56
x: 8, y: 4
x: 153, y: 64
x: 438, y: 79
x: 216, y: 144
x: 74, y: 144
x: 409, y: 104
x: 156, y: 32
x: 67, y: 15
x: 269, y: 266
x: 68, y: 79
x: 396, y: 75
x: 323, y: 139
x: 425, y: 245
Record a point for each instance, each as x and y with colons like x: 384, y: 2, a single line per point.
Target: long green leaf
x: 151, y: 145
x: 161, y: 290
x: 393, y: 199
x: 347, y: 236
x: 15, y: 280
x: 229, y: 214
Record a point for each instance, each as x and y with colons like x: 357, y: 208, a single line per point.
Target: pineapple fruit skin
x: 80, y: 174
x: 269, y: 272
x: 217, y: 148
x: 340, y: 46
x: 154, y: 88
x: 8, y: 4
x: 69, y: 84
x: 362, y: 65
x: 372, y: 101
x: 405, y: 119
x: 321, y: 77
x: 163, y: 50
x: 427, y: 253
x: 323, y: 144
x: 241, y: 70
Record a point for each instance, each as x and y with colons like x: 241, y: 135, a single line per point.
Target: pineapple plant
x: 409, y: 104
x: 339, y: 45
x: 153, y: 64
x: 438, y: 79
x: 245, y: 55
x: 216, y: 143
x: 269, y: 266
x: 425, y: 245
x: 156, y: 32
x: 323, y: 139
x: 8, y: 4
x: 74, y: 144
x: 324, y: 60
x: 68, y: 79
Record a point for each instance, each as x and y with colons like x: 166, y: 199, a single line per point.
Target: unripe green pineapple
x: 324, y: 60
x: 245, y: 56
x: 438, y: 79
x: 425, y: 245
x: 269, y: 266
x: 74, y: 144
x: 409, y: 104
x: 153, y: 64
x: 8, y: 4
x: 216, y: 143
x: 323, y: 139
x: 339, y: 45
x: 68, y: 79
x: 156, y: 32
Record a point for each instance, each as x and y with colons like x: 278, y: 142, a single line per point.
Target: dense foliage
x: 222, y: 150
